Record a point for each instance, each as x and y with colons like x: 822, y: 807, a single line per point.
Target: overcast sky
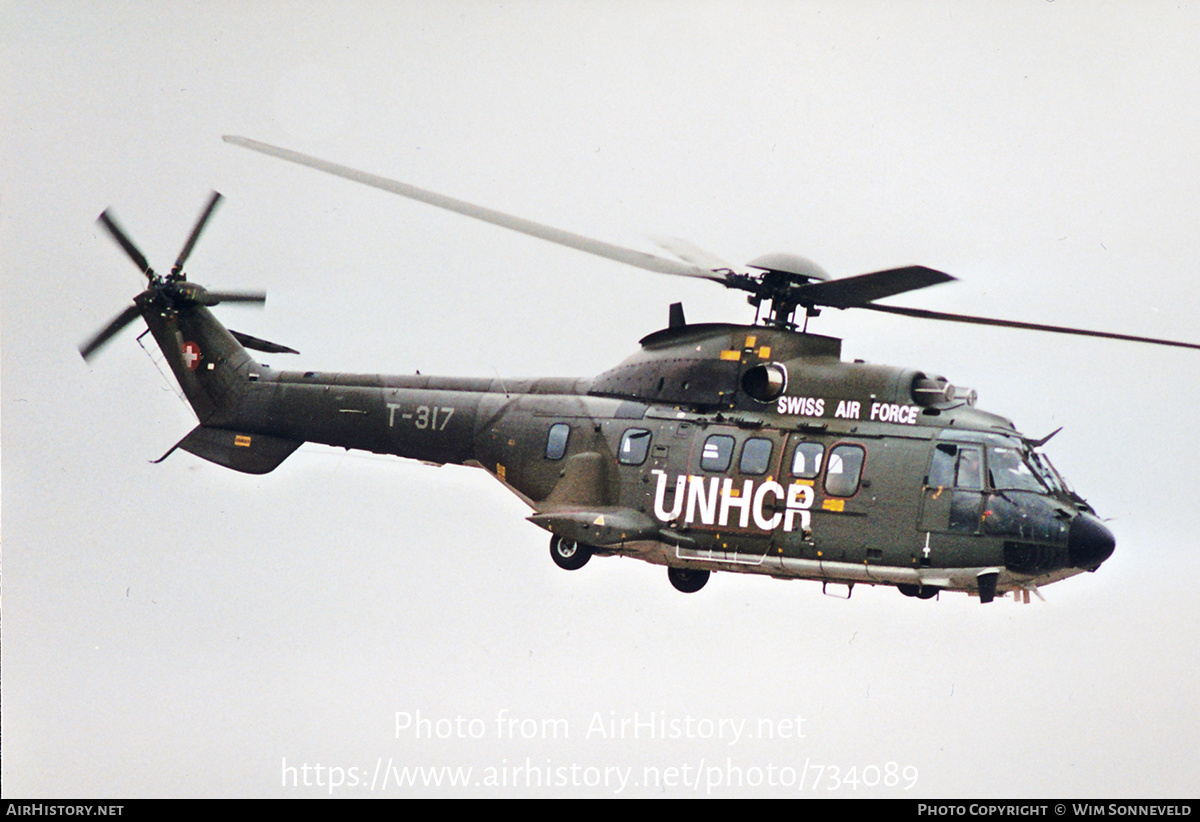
x: 183, y: 630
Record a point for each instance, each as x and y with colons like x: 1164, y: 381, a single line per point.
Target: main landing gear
x: 688, y: 580
x: 569, y: 554
x: 919, y: 591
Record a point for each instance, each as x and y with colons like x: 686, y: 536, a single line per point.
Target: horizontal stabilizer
x: 260, y: 344
x: 604, y: 527
x: 248, y: 453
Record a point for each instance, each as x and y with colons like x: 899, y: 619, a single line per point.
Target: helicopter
x: 714, y: 447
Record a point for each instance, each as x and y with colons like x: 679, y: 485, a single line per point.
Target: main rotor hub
x: 799, y: 269
x: 784, y: 275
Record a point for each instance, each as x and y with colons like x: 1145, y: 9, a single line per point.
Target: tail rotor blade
x: 117, y: 233
x: 171, y: 292
x: 109, y: 331
x: 199, y: 227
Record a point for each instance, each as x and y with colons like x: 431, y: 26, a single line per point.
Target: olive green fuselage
x: 715, y: 447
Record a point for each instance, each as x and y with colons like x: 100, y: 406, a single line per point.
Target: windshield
x: 1049, y: 474
x: 1009, y: 471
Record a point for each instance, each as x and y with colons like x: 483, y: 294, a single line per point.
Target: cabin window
x: 806, y: 462
x: 844, y: 470
x: 556, y: 441
x: 718, y: 453
x: 634, y: 447
x: 756, y: 456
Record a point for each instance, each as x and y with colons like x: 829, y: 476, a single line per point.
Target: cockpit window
x: 1048, y: 473
x: 1008, y: 471
x: 941, y: 470
x: 956, y: 466
x: 970, y: 468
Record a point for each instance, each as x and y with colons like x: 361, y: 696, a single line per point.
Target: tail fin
x: 216, y: 374
x: 212, y: 367
x: 209, y: 361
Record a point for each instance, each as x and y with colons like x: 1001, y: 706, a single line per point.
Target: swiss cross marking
x: 191, y: 355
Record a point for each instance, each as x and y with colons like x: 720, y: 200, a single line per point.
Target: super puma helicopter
x: 715, y: 447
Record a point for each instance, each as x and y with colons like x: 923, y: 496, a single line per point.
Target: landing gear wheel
x: 688, y: 580
x: 569, y: 554
x: 919, y: 591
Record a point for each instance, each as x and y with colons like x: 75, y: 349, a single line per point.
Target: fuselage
x: 714, y: 447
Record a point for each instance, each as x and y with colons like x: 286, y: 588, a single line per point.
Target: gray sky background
x: 182, y: 630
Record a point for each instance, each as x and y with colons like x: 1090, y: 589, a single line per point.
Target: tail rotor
x: 165, y: 293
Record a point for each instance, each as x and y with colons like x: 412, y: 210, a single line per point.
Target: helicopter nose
x: 1089, y: 542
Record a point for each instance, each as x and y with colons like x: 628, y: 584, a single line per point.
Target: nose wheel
x: 688, y: 580
x: 569, y: 554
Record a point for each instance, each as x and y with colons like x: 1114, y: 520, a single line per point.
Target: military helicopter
x: 714, y: 447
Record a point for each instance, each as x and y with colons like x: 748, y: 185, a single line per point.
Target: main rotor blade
x: 117, y: 233
x: 851, y: 292
x: 691, y: 253
x: 259, y: 297
x: 200, y: 223
x: 600, y: 248
x: 1055, y: 329
x: 109, y: 331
